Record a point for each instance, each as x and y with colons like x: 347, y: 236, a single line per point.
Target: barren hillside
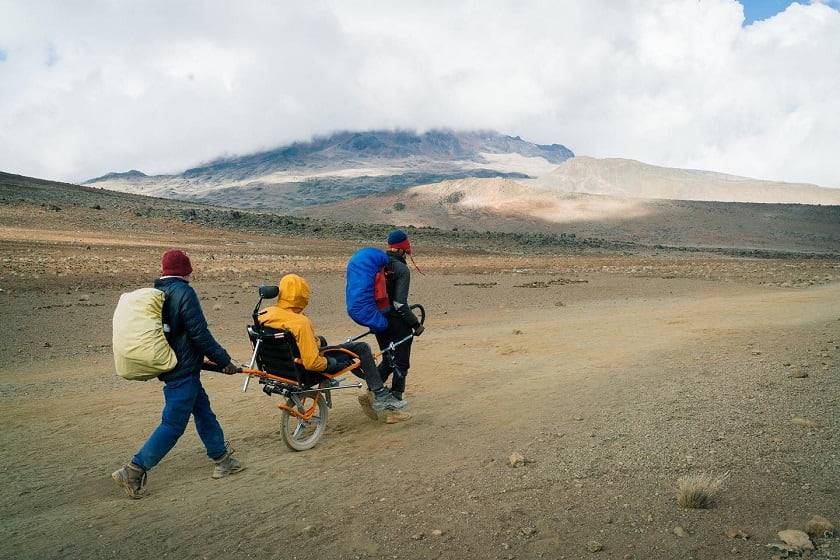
x: 510, y: 206
x: 629, y: 178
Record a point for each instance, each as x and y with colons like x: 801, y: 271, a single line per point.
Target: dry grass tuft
x: 699, y: 491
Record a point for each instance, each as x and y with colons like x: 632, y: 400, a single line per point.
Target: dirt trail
x: 629, y: 384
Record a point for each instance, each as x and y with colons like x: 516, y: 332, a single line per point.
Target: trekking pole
x: 251, y: 365
x: 355, y: 338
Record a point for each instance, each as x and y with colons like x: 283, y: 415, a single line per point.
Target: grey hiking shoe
x: 132, y: 479
x: 384, y: 400
x: 226, y: 464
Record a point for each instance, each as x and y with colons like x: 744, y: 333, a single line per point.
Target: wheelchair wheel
x: 299, y: 435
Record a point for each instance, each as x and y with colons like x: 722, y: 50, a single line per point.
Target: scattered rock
x: 737, y: 533
x: 217, y: 307
x: 804, y: 422
x: 796, y: 538
x: 577, y: 418
x: 517, y: 331
x: 785, y: 549
x: 680, y: 532
x: 436, y: 532
x: 418, y: 536
x: 516, y: 460
x: 84, y: 297
x: 308, y: 529
x: 798, y: 373
x: 527, y: 531
x: 594, y: 546
x: 819, y: 527
x: 47, y: 345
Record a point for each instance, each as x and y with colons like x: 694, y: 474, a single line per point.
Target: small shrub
x: 399, y: 206
x: 699, y: 491
x: 453, y: 198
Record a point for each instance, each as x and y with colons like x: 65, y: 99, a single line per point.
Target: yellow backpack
x: 141, y: 351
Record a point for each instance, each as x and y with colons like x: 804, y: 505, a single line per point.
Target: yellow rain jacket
x: 288, y: 314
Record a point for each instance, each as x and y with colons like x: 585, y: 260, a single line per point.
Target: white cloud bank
x: 90, y: 87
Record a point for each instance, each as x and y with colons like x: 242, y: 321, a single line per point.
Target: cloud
x: 87, y: 88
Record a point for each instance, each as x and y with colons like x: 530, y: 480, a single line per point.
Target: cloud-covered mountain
x: 346, y: 165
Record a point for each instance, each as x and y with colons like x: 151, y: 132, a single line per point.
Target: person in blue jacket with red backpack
x: 401, y: 320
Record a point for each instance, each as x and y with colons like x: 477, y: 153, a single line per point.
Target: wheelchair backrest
x: 277, y: 352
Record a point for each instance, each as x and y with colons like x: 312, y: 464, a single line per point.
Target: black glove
x: 418, y: 330
x: 230, y: 369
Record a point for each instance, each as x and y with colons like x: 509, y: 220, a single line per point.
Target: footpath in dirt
x: 612, y: 373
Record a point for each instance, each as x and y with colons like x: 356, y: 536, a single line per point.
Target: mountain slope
x: 345, y: 165
x: 630, y: 178
x: 509, y: 206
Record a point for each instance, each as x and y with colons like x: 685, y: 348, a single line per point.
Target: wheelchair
x: 277, y: 366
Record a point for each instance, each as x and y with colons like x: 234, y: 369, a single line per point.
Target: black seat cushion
x: 277, y: 353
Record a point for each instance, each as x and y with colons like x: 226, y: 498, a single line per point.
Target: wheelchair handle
x: 417, y: 306
x: 422, y: 311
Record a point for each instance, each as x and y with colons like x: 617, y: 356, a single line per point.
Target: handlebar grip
x: 422, y: 311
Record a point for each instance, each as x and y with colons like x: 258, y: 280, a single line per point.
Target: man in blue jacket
x: 187, y: 333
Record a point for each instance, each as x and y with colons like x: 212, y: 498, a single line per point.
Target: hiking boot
x: 132, y: 479
x: 366, y: 402
x: 384, y: 400
x: 226, y: 464
x: 395, y: 416
x: 397, y: 395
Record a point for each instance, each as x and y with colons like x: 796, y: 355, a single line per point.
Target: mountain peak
x: 131, y: 174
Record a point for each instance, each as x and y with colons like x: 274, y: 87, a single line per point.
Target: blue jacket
x: 188, y: 334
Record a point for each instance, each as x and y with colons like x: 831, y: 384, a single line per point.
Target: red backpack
x: 380, y: 288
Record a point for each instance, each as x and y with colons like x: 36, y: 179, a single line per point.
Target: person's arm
x: 310, y: 347
x: 196, y: 327
x: 402, y: 281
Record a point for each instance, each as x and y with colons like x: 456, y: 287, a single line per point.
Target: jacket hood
x: 294, y: 293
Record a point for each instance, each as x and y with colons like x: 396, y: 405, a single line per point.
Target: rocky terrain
x: 563, y: 390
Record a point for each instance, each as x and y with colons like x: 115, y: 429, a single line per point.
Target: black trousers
x: 400, y: 361
x: 368, y: 370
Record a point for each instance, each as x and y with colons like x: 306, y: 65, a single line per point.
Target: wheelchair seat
x: 278, y: 354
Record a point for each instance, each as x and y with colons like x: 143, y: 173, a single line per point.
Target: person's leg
x: 179, y: 396
x: 383, y: 339
x: 369, y: 370
x: 402, y: 360
x: 207, y: 426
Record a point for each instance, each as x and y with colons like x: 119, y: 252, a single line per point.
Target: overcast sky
x: 88, y: 87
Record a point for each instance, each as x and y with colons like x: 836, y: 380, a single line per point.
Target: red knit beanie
x: 175, y: 263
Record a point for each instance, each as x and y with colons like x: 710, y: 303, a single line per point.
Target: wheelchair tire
x: 300, y: 436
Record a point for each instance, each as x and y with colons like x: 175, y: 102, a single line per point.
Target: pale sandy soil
x: 645, y: 369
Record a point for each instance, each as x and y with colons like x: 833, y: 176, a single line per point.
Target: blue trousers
x: 183, y: 397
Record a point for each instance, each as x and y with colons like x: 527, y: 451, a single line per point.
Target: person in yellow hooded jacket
x: 288, y: 314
